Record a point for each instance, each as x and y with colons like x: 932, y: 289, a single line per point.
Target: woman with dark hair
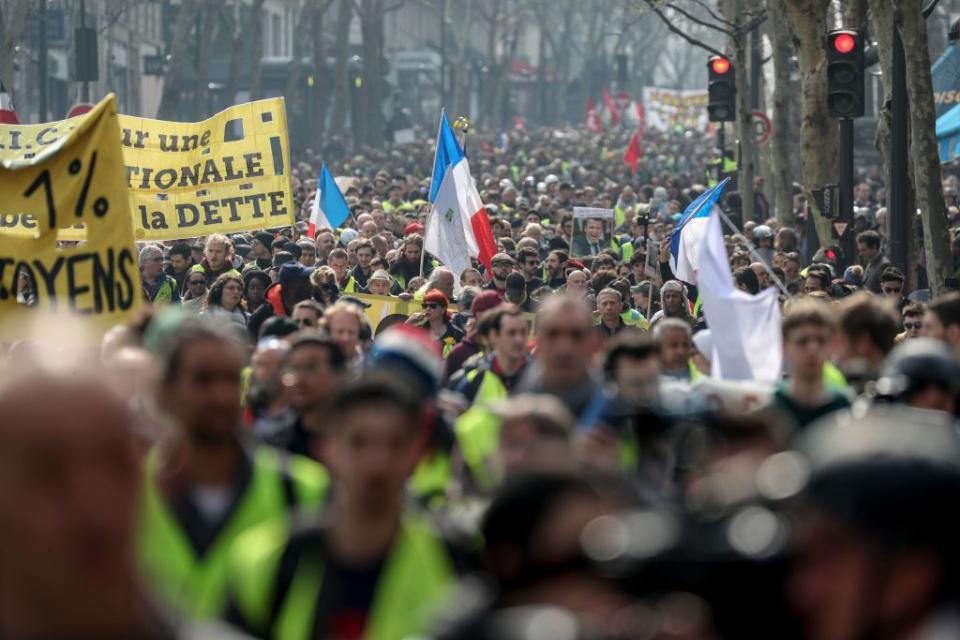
x: 255, y: 283
x: 436, y: 318
x: 224, y: 303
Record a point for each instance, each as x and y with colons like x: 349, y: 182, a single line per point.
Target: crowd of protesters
x: 538, y: 449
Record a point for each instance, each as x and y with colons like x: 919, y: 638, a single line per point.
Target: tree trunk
x: 783, y: 140
x: 369, y: 128
x: 201, y: 93
x: 882, y: 14
x: 179, y: 55
x: 746, y: 163
x: 320, y: 98
x: 818, y: 132
x: 293, y: 92
x: 256, y: 55
x: 243, y: 28
x: 341, y: 95
x: 923, y: 144
x: 460, y: 100
x: 13, y: 22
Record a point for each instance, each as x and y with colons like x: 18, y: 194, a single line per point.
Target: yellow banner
x: 76, y: 179
x: 226, y: 174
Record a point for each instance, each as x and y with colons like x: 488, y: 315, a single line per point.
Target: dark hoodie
x: 272, y: 306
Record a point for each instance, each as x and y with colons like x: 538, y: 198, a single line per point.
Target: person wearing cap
x: 292, y: 285
x: 261, y: 248
x: 502, y: 265
x: 515, y: 292
x: 436, y: 319
x: 193, y: 300
x: 674, y: 302
x: 379, y: 283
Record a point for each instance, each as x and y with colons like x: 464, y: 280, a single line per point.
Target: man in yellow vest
x: 373, y: 568
x: 478, y: 429
x: 203, y: 487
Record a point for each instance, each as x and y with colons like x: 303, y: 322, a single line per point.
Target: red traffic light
x: 720, y: 65
x: 844, y: 43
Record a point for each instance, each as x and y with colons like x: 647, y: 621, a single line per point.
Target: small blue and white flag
x: 329, y: 206
x: 687, y: 238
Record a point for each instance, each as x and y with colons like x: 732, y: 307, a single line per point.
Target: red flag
x: 611, y: 108
x: 641, y: 118
x: 594, y: 123
x: 7, y: 114
x: 633, y: 153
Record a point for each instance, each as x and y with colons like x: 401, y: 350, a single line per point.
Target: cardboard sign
x: 227, y: 174
x: 76, y: 178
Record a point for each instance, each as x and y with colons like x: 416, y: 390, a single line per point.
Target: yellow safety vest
x: 478, y: 428
x: 416, y: 579
x: 195, y: 585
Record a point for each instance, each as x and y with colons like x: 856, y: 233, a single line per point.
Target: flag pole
x: 753, y: 252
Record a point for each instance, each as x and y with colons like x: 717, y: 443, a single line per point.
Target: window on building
x: 276, y: 35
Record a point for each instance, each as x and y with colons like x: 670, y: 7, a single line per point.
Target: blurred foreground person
x: 877, y: 552
x: 68, y: 485
x: 203, y: 485
x: 373, y: 568
x: 540, y: 582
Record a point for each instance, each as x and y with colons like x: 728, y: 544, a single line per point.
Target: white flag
x: 448, y: 235
x: 746, y: 329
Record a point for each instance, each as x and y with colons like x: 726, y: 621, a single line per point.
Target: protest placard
x: 592, y: 230
x: 665, y: 109
x: 226, y: 174
x: 77, y: 178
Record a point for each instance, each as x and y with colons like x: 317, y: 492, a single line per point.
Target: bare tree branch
x: 692, y: 18
x: 682, y: 34
x: 716, y: 16
x: 394, y: 7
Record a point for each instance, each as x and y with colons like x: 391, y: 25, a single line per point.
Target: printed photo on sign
x: 592, y: 229
x: 227, y: 174
x: 77, y: 180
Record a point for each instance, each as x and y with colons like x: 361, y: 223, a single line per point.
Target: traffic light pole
x: 722, y: 144
x: 845, y: 213
x: 898, y: 218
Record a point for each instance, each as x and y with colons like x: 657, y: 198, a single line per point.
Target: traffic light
x: 845, y: 74
x: 722, y: 104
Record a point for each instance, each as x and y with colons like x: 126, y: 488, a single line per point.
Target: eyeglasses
x: 892, y: 289
x: 431, y: 305
x: 305, y: 322
x: 911, y: 326
x: 198, y: 283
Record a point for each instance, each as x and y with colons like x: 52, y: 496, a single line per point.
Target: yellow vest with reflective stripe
x: 196, y: 587
x: 416, y: 579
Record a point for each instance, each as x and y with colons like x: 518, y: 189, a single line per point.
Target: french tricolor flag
x: 458, y: 227
x: 7, y: 114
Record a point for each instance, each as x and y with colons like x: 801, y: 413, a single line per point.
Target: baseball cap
x: 292, y: 270
x: 501, y: 257
x: 413, y: 227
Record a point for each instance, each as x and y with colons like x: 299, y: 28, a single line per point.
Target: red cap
x: 576, y: 264
x: 413, y: 227
x: 485, y: 301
